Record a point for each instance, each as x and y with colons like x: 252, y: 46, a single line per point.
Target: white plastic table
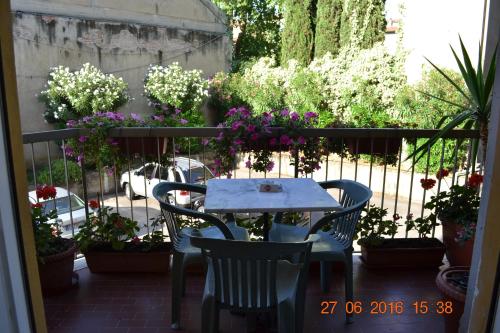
x: 243, y: 196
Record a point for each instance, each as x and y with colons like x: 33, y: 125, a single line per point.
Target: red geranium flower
x: 46, y: 192
x: 475, y: 180
x: 36, y: 205
x: 94, y: 204
x: 136, y: 240
x: 442, y: 173
x: 427, y: 183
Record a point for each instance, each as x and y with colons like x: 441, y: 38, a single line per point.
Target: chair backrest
x: 245, y: 273
x: 342, y: 225
x: 169, y: 211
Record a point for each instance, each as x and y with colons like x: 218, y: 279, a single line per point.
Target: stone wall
x: 120, y: 36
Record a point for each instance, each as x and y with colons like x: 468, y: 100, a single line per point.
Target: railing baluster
x: 33, y: 165
x: 49, y: 160
x: 356, y: 160
x: 398, y: 178
x: 385, y: 172
x: 129, y: 179
x: 411, y: 184
x: 149, y: 177
x: 455, y: 162
x: 426, y: 176
x: 115, y: 178
x: 66, y: 179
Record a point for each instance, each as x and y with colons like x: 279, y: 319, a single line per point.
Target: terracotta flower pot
x: 458, y: 254
x: 56, y: 271
x: 102, y: 261
x: 454, y: 293
x: 364, y: 146
x: 404, y: 253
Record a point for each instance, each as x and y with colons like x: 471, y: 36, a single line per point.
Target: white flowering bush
x: 176, y: 93
x: 74, y: 94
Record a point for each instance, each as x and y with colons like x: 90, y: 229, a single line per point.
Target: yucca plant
x: 475, y: 114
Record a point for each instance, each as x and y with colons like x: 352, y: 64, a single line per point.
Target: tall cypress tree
x: 297, y: 38
x: 363, y: 23
x: 327, y: 35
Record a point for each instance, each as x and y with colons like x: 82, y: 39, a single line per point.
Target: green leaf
x: 457, y: 87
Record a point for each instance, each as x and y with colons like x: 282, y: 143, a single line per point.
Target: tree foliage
x: 327, y: 36
x: 259, y: 24
x: 362, y: 23
x: 297, y: 39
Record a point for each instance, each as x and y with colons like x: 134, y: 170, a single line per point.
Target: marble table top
x: 243, y: 196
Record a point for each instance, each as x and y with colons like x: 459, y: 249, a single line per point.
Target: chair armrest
x: 325, y: 220
x: 313, y: 238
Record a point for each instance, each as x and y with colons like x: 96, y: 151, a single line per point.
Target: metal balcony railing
x: 396, y: 187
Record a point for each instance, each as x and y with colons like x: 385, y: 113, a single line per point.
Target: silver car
x: 142, y: 180
x: 62, y: 203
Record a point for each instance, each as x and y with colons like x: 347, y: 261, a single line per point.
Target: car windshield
x: 62, y: 204
x: 198, y: 174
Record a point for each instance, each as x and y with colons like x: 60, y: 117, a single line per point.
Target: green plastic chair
x: 184, y: 253
x: 255, y: 277
x: 336, y: 231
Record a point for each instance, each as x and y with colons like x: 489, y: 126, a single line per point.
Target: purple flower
x: 177, y: 111
x: 183, y: 121
x: 236, y: 125
x: 231, y: 112
x: 135, y: 117
x: 220, y: 136
x: 301, y: 140
x: 285, y: 112
x: 71, y: 123
x: 309, y: 115
x: 244, y: 112
x: 273, y: 142
x: 294, y: 116
x: 164, y: 107
x: 83, y: 138
x: 204, y: 141
x: 86, y: 119
x: 248, y: 164
x: 68, y: 151
x: 254, y: 137
x: 110, y: 171
x: 251, y: 128
x: 270, y: 166
x: 232, y: 151
x: 238, y: 142
x: 285, y: 140
x: 159, y: 118
x: 79, y: 159
x: 217, y: 161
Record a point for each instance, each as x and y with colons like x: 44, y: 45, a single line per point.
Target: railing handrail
x: 408, y: 133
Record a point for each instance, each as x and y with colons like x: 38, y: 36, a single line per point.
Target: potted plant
x: 379, y: 248
x: 55, y: 254
x: 452, y: 282
x: 251, y: 134
x: 110, y: 244
x: 458, y: 209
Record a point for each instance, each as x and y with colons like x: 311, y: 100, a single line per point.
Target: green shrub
x: 417, y: 107
x: 327, y: 34
x: 297, y: 37
x: 58, y: 173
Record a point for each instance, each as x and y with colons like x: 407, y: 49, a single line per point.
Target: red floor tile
x: 129, y: 303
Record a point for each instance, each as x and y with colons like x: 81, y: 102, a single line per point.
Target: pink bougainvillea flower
x: 160, y: 118
x: 231, y: 112
x: 251, y: 128
x: 220, y: 136
x: 285, y: 112
x: 205, y: 141
x: 232, y: 151
x: 248, y: 164
x: 236, y: 125
x: 135, y: 117
x: 301, y: 140
x: 294, y: 116
x: 310, y: 115
x: 238, y: 142
x: 285, y: 140
x: 177, y: 111
x: 270, y: 166
x: 83, y: 138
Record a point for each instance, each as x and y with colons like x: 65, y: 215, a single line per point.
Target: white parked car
x: 142, y: 180
x: 62, y: 204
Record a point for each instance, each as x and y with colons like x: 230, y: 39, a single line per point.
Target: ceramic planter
x: 56, y: 271
x: 135, y: 145
x: 451, y: 291
x: 364, y: 146
x: 404, y: 253
x: 107, y: 261
x: 458, y: 254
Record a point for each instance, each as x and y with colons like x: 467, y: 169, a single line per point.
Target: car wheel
x: 171, y: 200
x: 129, y: 192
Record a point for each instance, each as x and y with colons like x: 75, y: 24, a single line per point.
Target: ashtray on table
x: 270, y: 187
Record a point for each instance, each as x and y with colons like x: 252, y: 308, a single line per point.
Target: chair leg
x: 177, y: 277
x: 209, y: 315
x: 348, y: 283
x: 286, y: 323
x: 326, y: 272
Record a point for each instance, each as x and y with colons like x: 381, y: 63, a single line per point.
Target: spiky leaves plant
x: 478, y: 95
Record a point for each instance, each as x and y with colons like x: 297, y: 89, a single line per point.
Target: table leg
x: 266, y: 227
